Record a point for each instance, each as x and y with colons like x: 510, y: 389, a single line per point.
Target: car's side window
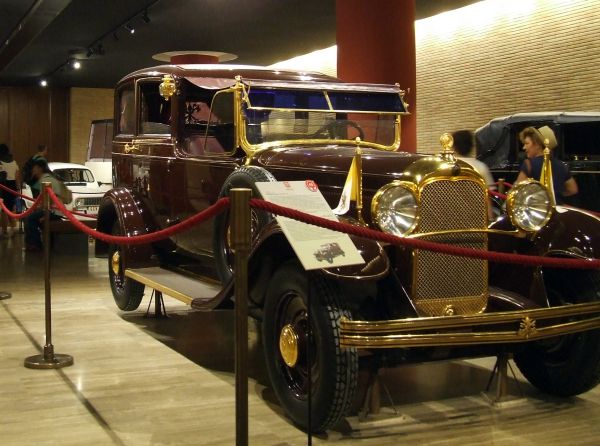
x: 155, y: 111
x: 209, y: 124
x: 126, y: 111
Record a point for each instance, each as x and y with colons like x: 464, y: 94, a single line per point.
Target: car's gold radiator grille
x: 444, y: 284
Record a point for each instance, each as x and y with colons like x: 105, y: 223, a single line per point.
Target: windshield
x: 74, y: 175
x: 274, y: 114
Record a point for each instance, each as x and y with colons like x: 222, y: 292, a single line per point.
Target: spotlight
x: 145, y: 17
x: 130, y: 28
x: 76, y: 65
x: 43, y: 83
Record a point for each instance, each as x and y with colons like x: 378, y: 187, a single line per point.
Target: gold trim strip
x: 456, y: 339
x: 159, y: 287
x: 430, y: 323
x: 328, y: 100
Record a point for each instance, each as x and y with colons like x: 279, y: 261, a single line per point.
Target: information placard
x: 315, y: 247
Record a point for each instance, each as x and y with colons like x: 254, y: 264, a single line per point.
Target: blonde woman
x: 533, y: 145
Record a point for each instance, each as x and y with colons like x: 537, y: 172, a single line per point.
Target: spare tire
x: 244, y: 177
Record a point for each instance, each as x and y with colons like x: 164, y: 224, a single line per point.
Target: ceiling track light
x: 95, y: 48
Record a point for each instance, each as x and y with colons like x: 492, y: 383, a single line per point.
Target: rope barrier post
x: 240, y: 243
x: 49, y: 359
x: 501, y: 185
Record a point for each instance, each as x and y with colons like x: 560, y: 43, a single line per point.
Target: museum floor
x: 142, y: 381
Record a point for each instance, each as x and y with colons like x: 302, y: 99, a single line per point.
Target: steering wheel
x: 332, y: 128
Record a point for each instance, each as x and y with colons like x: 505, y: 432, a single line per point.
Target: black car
x: 578, y: 136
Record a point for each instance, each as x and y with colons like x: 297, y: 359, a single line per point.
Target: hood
x: 336, y: 159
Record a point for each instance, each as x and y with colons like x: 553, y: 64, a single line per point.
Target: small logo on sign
x: 311, y: 185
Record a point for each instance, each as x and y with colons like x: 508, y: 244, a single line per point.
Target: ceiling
x: 39, y: 38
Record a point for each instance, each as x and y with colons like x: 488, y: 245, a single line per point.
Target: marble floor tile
x: 144, y: 381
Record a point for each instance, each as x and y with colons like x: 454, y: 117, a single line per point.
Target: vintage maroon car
x: 186, y: 134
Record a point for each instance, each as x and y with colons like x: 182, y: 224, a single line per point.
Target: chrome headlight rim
x: 375, y: 204
x: 513, y: 206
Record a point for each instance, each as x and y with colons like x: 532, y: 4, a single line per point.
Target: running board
x: 200, y: 294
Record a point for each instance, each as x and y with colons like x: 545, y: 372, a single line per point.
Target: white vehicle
x: 87, y: 192
x: 99, y: 156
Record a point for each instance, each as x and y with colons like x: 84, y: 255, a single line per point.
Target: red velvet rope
x: 81, y: 214
x: 215, y: 209
x: 14, y: 192
x: 423, y: 244
x: 497, y: 194
x: 414, y: 243
x: 21, y: 215
x: 509, y: 185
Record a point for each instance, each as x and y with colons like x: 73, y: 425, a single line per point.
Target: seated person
x: 33, y: 223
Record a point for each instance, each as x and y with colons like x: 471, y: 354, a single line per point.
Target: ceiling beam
x: 36, y: 19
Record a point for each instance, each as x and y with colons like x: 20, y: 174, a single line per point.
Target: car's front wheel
x: 568, y: 365
x: 328, y: 371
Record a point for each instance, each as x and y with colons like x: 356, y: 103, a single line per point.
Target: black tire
x: 245, y: 177
x: 127, y: 292
x: 568, y: 365
x: 333, y: 369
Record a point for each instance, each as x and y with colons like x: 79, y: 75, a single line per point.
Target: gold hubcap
x: 288, y: 345
x: 115, y: 262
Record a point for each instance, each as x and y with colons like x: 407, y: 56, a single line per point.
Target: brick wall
x: 87, y: 104
x: 500, y: 57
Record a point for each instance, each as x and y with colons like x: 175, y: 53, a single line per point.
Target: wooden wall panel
x: 59, y: 125
x: 4, y: 116
x: 86, y: 105
x: 495, y: 58
x: 30, y: 116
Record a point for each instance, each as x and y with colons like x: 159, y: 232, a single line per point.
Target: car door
x: 207, y: 154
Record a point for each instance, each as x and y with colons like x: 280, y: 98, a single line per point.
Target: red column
x: 376, y: 43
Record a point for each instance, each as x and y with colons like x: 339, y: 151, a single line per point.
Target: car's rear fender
x: 122, y: 206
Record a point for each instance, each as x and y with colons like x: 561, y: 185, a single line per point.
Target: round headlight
x: 394, y: 209
x: 529, y: 206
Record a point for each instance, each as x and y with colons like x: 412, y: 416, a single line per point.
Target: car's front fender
x: 571, y: 232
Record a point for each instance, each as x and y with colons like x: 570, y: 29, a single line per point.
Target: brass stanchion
x: 49, y: 359
x: 240, y: 244
x: 501, y: 185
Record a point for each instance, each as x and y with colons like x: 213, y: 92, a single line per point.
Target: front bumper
x: 486, y: 328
